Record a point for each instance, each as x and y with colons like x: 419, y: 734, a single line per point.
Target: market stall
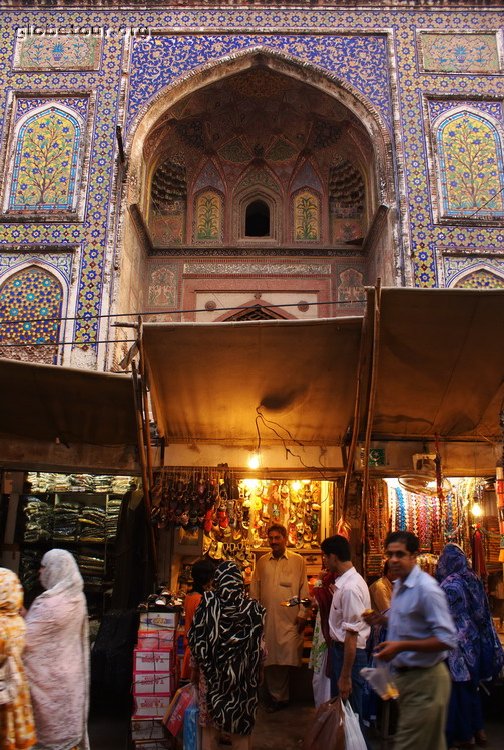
x: 434, y: 421
x: 278, y: 392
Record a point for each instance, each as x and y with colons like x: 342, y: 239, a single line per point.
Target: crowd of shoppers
x: 440, y: 644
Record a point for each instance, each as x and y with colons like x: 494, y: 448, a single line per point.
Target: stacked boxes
x: 154, y: 678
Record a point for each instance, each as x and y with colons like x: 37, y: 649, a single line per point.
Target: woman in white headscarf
x: 57, y: 655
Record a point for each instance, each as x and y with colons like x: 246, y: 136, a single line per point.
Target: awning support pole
x: 371, y: 404
x: 143, y: 466
x: 350, y: 458
x: 145, y: 412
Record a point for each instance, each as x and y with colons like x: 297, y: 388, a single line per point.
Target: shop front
x: 252, y: 419
x: 68, y: 458
x: 340, y: 404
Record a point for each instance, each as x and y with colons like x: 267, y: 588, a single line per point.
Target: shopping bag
x: 381, y: 680
x: 192, y: 729
x: 327, y: 731
x: 354, y: 739
x: 174, y: 716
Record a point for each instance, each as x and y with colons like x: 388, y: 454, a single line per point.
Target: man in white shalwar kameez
x: 278, y: 577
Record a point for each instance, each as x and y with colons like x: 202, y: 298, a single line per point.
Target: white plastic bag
x: 381, y: 680
x: 354, y: 739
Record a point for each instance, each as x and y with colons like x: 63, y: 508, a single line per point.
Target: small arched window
x: 257, y: 219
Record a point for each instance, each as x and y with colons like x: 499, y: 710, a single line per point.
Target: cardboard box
x: 158, y: 620
x: 153, y: 661
x: 152, y: 683
x: 156, y: 640
x: 147, y: 729
x: 150, y: 706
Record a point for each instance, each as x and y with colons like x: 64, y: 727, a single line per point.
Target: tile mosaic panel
x: 460, y: 53
x: 46, y: 156
x: 260, y: 269
x: 162, y: 285
x: 345, y: 230
x: 494, y: 108
x: 209, y: 216
x: 30, y: 308
x: 480, y: 279
x: 306, y: 216
x: 471, y: 165
x: 350, y: 286
x: 60, y: 261
x: 158, y: 62
x: 473, y: 272
x: 57, y: 52
x: 167, y: 227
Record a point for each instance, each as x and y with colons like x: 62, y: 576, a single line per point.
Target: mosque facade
x: 215, y: 161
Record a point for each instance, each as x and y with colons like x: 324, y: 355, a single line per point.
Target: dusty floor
x: 285, y: 729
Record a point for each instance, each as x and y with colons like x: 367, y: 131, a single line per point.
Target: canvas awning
x: 66, y: 417
x: 440, y: 364
x: 440, y: 371
x: 207, y: 380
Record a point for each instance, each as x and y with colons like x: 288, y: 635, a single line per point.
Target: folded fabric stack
x: 66, y: 521
x: 92, y: 524
x: 84, y: 482
x: 113, y: 510
x: 39, y: 519
x: 91, y: 566
x: 29, y: 568
x: 102, y: 483
x: 121, y: 485
x: 45, y: 481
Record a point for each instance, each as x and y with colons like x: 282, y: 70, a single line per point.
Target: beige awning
x: 66, y: 417
x: 207, y: 380
x: 440, y: 363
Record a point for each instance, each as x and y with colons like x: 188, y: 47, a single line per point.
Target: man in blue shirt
x: 420, y: 632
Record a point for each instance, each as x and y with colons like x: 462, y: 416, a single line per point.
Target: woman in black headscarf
x: 226, y: 643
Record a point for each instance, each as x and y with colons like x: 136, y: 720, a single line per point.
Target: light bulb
x: 476, y: 509
x: 250, y: 484
x: 254, y: 460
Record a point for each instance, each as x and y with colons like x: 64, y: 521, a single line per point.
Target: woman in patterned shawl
x: 57, y: 655
x: 17, y: 731
x: 478, y: 656
x: 226, y: 644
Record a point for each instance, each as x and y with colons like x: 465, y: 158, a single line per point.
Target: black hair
x: 385, y: 567
x: 410, y: 540
x: 278, y: 527
x: 202, y: 573
x: 337, y: 545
